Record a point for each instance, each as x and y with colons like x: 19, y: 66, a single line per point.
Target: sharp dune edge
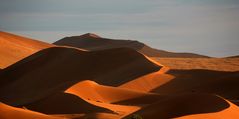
x: 110, y: 79
x: 14, y: 48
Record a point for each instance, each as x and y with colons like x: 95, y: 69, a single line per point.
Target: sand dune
x: 188, y: 104
x: 119, y: 100
x: 107, y: 94
x: 8, y: 112
x: 236, y: 56
x: 64, y: 103
x: 112, y: 80
x: 112, y: 95
x: 91, y: 41
x: 57, y: 68
x: 14, y: 48
x: 229, y: 113
x: 221, y: 83
x: 148, y: 82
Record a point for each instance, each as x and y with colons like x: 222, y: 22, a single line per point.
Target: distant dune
x: 91, y: 41
x: 236, y: 56
x: 14, y: 48
x: 216, y: 64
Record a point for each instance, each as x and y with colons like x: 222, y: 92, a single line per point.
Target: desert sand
x: 216, y: 64
x: 98, y: 78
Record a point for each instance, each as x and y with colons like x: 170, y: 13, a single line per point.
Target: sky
x: 209, y: 27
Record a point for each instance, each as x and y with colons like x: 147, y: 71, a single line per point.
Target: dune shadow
x: 182, y: 105
x: 221, y: 83
x: 141, y: 100
x: 55, y: 69
x: 64, y: 103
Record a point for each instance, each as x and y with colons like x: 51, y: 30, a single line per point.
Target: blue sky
x: 209, y: 27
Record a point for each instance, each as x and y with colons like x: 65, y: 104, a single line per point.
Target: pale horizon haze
x: 208, y: 27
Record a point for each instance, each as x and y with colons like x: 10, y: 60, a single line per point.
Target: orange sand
x: 111, y: 79
x: 14, y: 48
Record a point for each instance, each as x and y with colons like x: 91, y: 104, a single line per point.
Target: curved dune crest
x: 14, y: 48
x: 148, y: 82
x: 57, y: 68
x: 187, y: 104
x: 108, y: 94
x: 222, y: 83
x: 119, y: 100
x: 64, y: 103
x: 228, y: 113
x: 8, y: 112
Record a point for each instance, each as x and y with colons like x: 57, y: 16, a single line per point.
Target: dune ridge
x: 189, y: 104
x: 57, y: 68
x: 92, y: 41
x: 229, y: 113
x: 100, y: 94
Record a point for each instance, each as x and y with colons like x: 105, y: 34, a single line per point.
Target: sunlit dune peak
x: 92, y: 35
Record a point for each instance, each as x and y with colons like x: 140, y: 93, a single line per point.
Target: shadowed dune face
x: 113, y: 98
x: 102, y: 116
x: 221, y: 83
x: 8, y: 112
x: 91, y: 41
x: 64, y: 103
x: 183, y: 104
x: 228, y: 113
x: 57, y: 68
x: 14, y: 48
